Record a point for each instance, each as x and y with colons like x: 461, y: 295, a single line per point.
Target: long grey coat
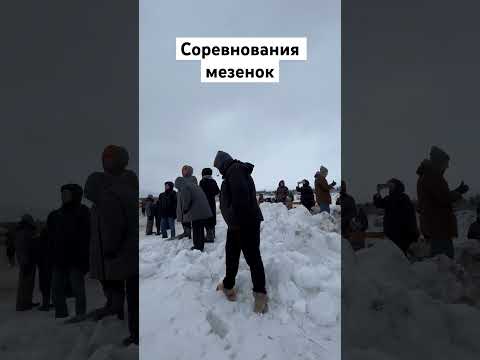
x: 192, y: 203
x: 114, y: 221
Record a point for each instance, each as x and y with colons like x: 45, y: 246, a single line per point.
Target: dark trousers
x: 114, y: 291
x: 11, y: 256
x: 132, y: 287
x: 26, y: 284
x: 187, y: 229
x: 149, y: 229
x: 168, y: 223
x: 198, y: 228
x: 60, y: 279
x: 246, y: 239
x: 45, y: 282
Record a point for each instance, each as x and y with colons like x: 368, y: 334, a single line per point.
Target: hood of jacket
x: 222, y: 161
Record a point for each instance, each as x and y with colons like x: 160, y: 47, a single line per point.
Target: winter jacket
x: 238, y: 200
x: 399, y: 221
x: 114, y: 225
x: 188, y: 179
x: 68, y: 229
x: 211, y: 190
x: 322, y: 189
x: 192, y: 202
x: 307, y: 198
x: 437, y: 219
x: 149, y: 208
x: 167, y: 204
x: 24, y: 243
x: 282, y: 193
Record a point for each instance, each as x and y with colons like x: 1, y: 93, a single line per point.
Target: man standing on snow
x: 437, y: 219
x: 193, y: 208
x: 322, y: 189
x: 282, y: 193
x: 210, y: 188
x: 239, y: 207
x: 167, y: 210
x: 68, y: 230
x: 307, y: 198
x: 114, y: 238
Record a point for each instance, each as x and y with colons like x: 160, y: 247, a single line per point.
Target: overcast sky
x: 287, y: 130
x: 69, y: 88
x: 411, y: 85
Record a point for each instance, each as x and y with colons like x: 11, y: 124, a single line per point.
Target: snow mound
x: 301, y: 255
x: 398, y: 310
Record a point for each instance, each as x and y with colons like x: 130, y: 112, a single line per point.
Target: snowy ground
x: 397, y: 310
x: 36, y: 335
x: 182, y: 316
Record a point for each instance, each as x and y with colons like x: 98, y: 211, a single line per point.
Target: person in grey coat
x: 114, y: 235
x: 26, y: 257
x: 193, y: 207
x: 187, y: 173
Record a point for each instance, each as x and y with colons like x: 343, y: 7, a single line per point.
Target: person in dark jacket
x: 435, y: 203
x: 282, y: 192
x: 68, y: 229
x: 242, y: 214
x: 150, y: 212
x: 399, y: 221
x: 45, y: 269
x: 348, y: 208
x: 474, y: 229
x: 194, y: 209
x: 210, y: 188
x: 167, y: 210
x: 26, y: 257
x: 307, y: 196
x: 114, y: 241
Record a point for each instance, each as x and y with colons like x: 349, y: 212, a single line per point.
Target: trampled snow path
x: 182, y: 316
x: 36, y: 335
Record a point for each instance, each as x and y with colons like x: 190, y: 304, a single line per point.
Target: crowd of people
x: 434, y: 210
x: 75, y: 240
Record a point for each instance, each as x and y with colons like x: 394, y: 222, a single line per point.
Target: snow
x: 36, y: 335
x: 398, y: 310
x: 183, y: 317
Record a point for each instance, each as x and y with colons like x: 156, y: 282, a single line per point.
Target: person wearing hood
x: 322, y: 189
x: 187, y: 173
x: 210, y: 188
x: 399, y: 220
x: 282, y: 193
x: 114, y: 240
x: 68, y: 229
x: 167, y: 210
x: 150, y: 212
x: 307, y: 197
x: 242, y: 214
x: 26, y: 257
x: 438, y: 222
x: 348, y: 208
x: 194, y: 208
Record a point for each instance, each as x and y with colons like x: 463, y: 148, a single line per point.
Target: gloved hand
x: 462, y: 188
